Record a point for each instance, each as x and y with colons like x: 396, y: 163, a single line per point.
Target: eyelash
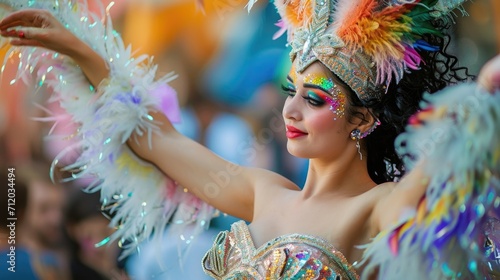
x: 291, y: 92
x: 314, y: 102
x: 288, y: 90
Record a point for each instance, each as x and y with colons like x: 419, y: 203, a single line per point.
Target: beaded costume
x: 454, y: 233
x: 291, y: 256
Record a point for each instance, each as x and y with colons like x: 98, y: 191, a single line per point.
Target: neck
x: 344, y: 176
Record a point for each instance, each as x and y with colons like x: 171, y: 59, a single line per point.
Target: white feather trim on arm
x: 139, y: 199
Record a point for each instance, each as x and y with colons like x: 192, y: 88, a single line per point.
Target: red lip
x: 293, y: 132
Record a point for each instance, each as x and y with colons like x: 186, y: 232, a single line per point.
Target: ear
x: 365, y: 120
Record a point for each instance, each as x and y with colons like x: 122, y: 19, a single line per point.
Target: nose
x: 291, y: 108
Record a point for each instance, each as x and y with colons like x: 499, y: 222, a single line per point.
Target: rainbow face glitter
x: 337, y: 99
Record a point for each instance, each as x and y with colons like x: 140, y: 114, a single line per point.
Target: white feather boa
x: 138, y: 197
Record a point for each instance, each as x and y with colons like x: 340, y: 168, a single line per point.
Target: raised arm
x: 229, y: 187
x: 224, y: 185
x: 132, y: 113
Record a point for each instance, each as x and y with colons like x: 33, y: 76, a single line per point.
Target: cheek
x: 322, y: 121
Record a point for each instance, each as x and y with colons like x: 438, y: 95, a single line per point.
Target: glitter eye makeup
x: 320, y: 81
x: 292, y: 76
x: 335, y: 97
x: 336, y: 104
x: 288, y: 88
x: 314, y: 98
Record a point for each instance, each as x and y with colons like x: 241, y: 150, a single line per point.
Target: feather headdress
x: 367, y: 43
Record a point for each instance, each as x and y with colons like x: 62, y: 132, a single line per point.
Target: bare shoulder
x: 268, y: 186
x: 380, y: 197
x: 269, y: 183
x: 266, y: 179
x: 369, y: 200
x: 381, y: 191
x: 399, y: 198
x: 385, y: 188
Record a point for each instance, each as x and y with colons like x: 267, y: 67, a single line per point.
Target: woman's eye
x: 288, y: 90
x: 314, y: 99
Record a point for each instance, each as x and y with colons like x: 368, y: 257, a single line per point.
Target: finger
x: 23, y: 18
x: 493, y: 83
x: 25, y: 42
x: 29, y: 33
x: 489, y: 77
x: 28, y: 36
x: 13, y: 25
x: 13, y: 32
x: 9, y: 33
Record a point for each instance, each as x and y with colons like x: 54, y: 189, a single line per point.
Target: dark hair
x: 438, y: 70
x: 81, y: 206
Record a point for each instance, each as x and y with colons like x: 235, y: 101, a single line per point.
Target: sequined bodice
x: 292, y: 256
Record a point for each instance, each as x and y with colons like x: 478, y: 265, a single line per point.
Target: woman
x: 338, y: 115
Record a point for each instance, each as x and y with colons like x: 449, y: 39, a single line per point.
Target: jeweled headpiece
x: 366, y: 43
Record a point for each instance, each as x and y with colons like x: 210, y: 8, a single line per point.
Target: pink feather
x: 283, y: 28
x: 412, y: 58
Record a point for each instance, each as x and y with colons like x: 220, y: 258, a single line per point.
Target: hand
x: 38, y: 28
x: 489, y: 77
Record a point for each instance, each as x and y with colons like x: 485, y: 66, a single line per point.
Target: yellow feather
x: 126, y: 162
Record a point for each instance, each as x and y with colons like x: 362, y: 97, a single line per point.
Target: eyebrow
x: 289, y: 78
x: 317, y: 87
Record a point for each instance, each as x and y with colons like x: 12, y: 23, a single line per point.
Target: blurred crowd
x: 229, y: 74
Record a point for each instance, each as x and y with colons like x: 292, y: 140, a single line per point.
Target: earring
x: 356, y: 135
x: 375, y: 125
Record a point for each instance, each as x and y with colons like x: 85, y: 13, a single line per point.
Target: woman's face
x: 314, y: 114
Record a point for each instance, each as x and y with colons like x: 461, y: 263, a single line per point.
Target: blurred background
x: 229, y: 72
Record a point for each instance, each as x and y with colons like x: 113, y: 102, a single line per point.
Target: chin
x: 297, y: 150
